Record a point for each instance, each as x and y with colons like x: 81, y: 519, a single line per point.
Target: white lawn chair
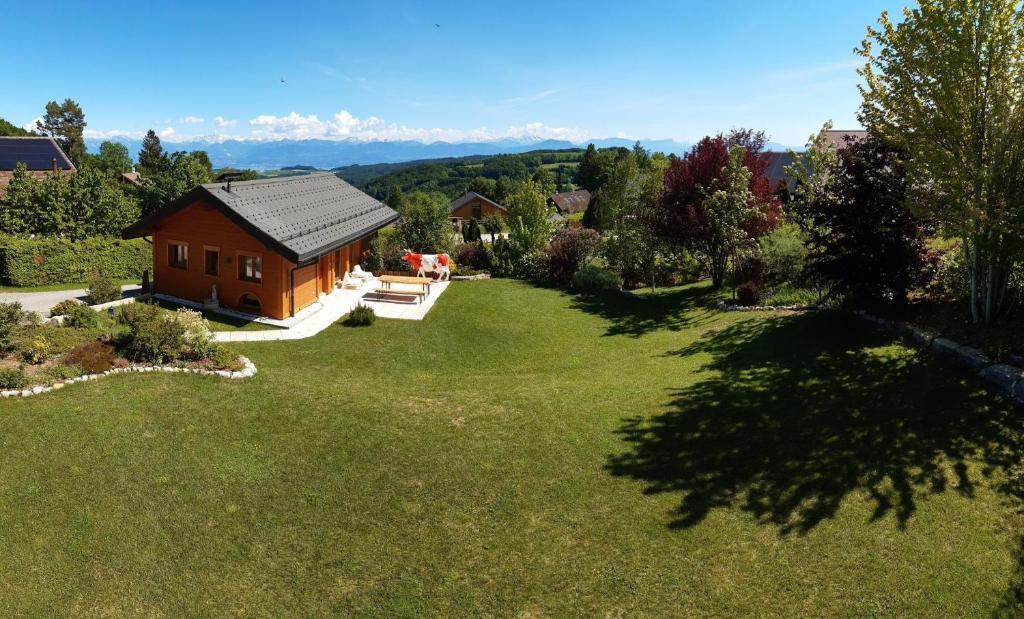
x: 352, y: 282
x: 358, y: 271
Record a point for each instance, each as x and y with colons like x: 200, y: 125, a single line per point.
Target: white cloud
x: 343, y: 125
x: 31, y: 126
x: 113, y: 133
x: 193, y: 120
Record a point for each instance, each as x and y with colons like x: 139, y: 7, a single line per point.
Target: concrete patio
x: 329, y: 308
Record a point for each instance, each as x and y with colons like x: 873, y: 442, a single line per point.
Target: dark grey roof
x: 839, y: 137
x: 36, y: 152
x: 469, y: 196
x: 571, y: 201
x: 300, y: 217
x: 776, y: 170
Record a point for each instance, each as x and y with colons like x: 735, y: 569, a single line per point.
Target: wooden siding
x: 201, y: 227
x: 466, y: 210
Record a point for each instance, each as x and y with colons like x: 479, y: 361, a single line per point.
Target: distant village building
x: 840, y: 138
x: 569, y: 202
x: 271, y: 247
x: 472, y: 205
x: 130, y: 178
x: 40, y: 154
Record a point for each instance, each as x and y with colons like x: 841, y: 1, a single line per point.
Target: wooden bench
x: 391, y: 291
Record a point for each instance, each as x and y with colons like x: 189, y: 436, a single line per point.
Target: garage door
x: 305, y: 286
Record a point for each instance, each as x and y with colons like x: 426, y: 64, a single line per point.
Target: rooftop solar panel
x: 37, y: 153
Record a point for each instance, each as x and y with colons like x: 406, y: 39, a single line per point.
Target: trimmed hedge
x: 37, y: 262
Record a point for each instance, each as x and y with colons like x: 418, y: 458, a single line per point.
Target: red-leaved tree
x: 692, y: 180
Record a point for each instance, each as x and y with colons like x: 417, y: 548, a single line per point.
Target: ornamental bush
x: 92, y: 357
x: 474, y: 256
x: 41, y: 261
x: 568, y: 251
x: 82, y: 317
x: 360, y: 316
x: 11, y: 317
x: 593, y: 278
x: 103, y: 289
x: 13, y: 378
x: 65, y: 307
x: 151, y: 337
x: 37, y: 351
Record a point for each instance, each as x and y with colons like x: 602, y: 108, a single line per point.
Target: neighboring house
x: 569, y: 202
x: 40, y: 154
x: 776, y: 170
x: 838, y: 138
x: 130, y: 178
x: 271, y: 246
x: 472, y: 205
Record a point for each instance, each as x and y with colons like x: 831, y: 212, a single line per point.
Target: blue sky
x: 383, y: 69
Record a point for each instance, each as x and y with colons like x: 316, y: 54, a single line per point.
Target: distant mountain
x: 326, y: 154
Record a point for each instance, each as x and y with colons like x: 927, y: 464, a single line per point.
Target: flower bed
x: 83, y: 345
x: 248, y: 370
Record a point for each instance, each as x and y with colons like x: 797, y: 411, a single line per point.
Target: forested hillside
x: 455, y: 176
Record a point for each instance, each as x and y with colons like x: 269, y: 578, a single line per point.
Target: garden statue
x: 428, y: 263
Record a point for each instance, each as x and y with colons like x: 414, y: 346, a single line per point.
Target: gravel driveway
x: 42, y: 301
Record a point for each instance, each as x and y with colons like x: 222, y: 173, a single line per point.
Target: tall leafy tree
x: 528, y: 212
x: 423, y: 222
x: 589, y: 174
x: 65, y: 123
x: 711, y: 208
x: 152, y: 159
x: 945, y: 85
x: 113, y: 159
x: 866, y: 244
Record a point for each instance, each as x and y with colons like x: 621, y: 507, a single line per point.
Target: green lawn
x: 221, y: 322
x: 523, y: 452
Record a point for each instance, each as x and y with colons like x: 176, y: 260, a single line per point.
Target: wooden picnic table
x: 387, y: 280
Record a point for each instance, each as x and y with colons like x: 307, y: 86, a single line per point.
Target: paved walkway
x: 334, y: 306
x: 42, y: 301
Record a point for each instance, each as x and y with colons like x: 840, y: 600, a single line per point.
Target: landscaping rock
x: 972, y: 358
x: 945, y: 348
x: 1003, y: 377
x: 921, y: 338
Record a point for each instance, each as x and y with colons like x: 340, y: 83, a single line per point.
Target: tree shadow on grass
x: 801, y: 411
x: 636, y: 315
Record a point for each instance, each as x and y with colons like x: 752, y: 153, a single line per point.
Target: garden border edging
x: 248, y: 371
x: 1006, y: 379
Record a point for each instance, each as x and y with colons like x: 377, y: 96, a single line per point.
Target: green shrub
x: 596, y: 279
x: 153, y: 335
x: 224, y: 359
x: 783, y: 253
x: 13, y: 378
x: 65, y: 307
x: 748, y: 293
x: 792, y: 295
x: 360, y: 316
x: 951, y: 274
x: 103, y: 289
x: 61, y: 339
x: 93, y: 357
x: 198, y: 340
x: 37, y: 351
x: 40, y: 261
x: 62, y: 372
x: 11, y: 317
x: 82, y: 317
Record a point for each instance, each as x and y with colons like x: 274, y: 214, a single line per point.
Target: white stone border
x: 722, y: 305
x: 248, y: 371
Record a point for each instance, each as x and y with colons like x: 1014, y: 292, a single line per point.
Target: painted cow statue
x: 429, y: 263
